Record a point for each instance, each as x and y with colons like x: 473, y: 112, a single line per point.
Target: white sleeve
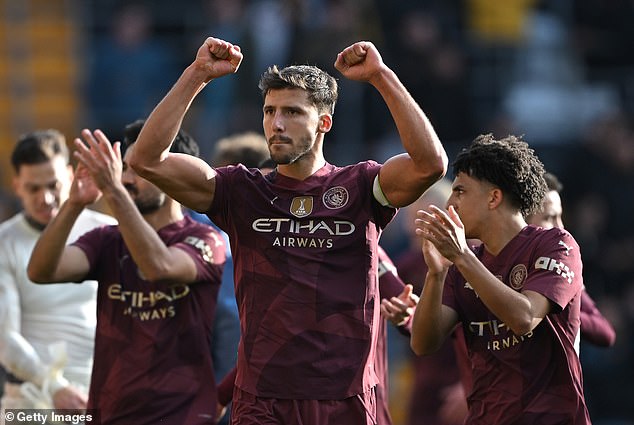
x: 17, y: 355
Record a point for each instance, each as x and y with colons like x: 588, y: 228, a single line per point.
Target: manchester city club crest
x: 335, y: 197
x: 518, y: 276
x: 301, y: 206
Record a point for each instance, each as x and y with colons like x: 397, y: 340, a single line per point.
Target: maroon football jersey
x: 305, y: 273
x: 536, y: 377
x: 152, y: 360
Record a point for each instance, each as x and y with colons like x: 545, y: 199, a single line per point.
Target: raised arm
x: 52, y: 261
x: 185, y: 178
x: 156, y: 260
x: 403, y: 178
x: 433, y: 321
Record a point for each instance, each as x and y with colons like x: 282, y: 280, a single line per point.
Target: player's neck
x: 301, y: 170
x: 499, y: 234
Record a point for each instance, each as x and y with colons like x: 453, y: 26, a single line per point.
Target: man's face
x: 471, y: 199
x: 550, y: 216
x: 291, y: 125
x: 42, y: 188
x: 146, y: 196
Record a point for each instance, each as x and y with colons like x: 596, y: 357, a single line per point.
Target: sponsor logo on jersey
x: 303, y: 233
x: 335, y: 197
x: 498, y: 334
x: 302, y: 206
x: 148, y: 305
x: 518, y: 276
x: 204, y: 249
x: 308, y: 227
x: 550, y: 264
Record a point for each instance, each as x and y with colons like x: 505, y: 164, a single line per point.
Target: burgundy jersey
x: 533, y: 378
x: 305, y: 273
x: 152, y: 359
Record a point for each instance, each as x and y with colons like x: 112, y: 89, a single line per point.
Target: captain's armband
x: 378, y: 193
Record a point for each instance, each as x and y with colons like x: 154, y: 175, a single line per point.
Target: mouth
x: 279, y: 140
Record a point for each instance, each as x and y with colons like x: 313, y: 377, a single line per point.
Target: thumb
x: 407, y: 291
x: 412, y: 298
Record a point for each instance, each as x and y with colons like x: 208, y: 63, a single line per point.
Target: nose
x: 278, y: 122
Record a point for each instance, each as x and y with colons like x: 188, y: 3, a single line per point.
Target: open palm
x: 84, y: 190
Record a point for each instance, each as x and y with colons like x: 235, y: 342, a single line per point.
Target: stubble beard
x: 295, y: 155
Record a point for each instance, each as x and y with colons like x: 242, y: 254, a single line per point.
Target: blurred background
x: 559, y: 72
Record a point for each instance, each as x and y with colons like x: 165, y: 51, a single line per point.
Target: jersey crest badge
x: 518, y: 276
x: 302, y: 206
x: 335, y: 197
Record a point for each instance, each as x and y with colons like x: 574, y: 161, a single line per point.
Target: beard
x: 297, y: 153
x: 145, y: 205
x: 148, y: 206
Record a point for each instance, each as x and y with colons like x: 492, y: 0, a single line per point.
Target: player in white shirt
x: 46, y: 334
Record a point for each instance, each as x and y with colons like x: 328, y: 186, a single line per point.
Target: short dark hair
x: 509, y: 164
x: 38, y: 147
x: 321, y: 87
x: 553, y: 183
x: 248, y: 148
x: 183, y: 142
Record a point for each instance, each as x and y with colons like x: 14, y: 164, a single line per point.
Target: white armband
x: 378, y: 193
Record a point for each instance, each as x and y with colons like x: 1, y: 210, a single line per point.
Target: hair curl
x: 321, y: 87
x: 509, y: 164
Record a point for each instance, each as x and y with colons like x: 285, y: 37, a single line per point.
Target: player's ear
x: 495, y: 197
x: 325, y: 123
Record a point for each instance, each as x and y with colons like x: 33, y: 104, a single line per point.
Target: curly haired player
x: 516, y: 296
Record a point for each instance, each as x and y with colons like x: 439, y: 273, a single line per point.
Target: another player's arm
x: 433, y: 321
x: 595, y: 327
x: 403, y: 178
x: 52, y: 261
x: 187, y: 179
x: 19, y: 357
x: 155, y: 260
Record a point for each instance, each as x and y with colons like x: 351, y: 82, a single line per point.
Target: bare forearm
x: 146, y: 247
x: 510, y: 306
x: 415, y: 130
x: 428, y: 327
x: 48, y: 250
x: 165, y: 120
